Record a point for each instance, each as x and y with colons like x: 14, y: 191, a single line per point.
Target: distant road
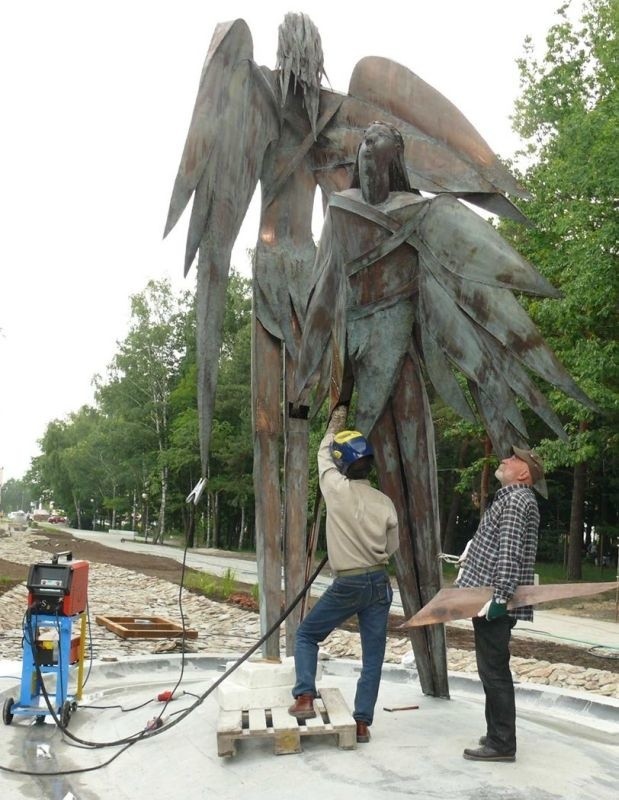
x: 202, y: 559
x: 551, y: 625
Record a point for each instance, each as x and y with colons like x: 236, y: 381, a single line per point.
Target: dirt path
x: 168, y: 569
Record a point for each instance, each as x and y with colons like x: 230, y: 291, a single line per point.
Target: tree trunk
x: 449, y: 536
x: 574, y: 554
x: 242, y: 531
x: 485, y: 478
x: 78, y: 512
x: 215, y: 530
x: 449, y: 529
x: 113, y: 520
x: 134, y: 512
x: 162, y: 508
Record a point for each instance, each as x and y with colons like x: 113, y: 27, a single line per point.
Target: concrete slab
x: 568, y: 744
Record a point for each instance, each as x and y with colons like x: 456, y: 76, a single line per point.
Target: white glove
x: 462, y: 558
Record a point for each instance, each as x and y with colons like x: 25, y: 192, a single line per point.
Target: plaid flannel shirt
x: 502, y: 552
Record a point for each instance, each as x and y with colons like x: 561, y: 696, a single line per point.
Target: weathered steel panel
x: 450, y: 603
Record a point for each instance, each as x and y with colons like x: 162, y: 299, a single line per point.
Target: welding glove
x: 493, y: 609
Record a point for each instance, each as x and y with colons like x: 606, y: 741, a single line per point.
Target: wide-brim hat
x: 536, y: 468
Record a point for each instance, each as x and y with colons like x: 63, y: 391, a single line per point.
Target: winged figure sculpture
x: 282, y: 129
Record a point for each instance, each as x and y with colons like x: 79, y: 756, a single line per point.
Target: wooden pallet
x: 144, y: 627
x: 284, y: 730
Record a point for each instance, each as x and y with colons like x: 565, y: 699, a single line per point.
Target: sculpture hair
x: 398, y: 176
x: 299, y: 55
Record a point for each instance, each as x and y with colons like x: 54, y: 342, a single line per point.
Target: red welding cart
x: 52, y: 644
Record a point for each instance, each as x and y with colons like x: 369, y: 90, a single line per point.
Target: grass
x: 213, y: 586
x: 552, y: 573
x: 557, y: 573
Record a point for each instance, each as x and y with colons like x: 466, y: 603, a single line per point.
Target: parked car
x: 58, y: 519
x: 18, y: 520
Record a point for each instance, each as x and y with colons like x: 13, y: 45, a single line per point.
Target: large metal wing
x: 235, y: 118
x: 443, y: 150
x: 468, y: 318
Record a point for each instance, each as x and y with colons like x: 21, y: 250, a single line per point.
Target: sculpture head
x: 300, y: 61
x: 379, y: 166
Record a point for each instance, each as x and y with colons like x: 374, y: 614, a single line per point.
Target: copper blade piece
x: 454, y: 603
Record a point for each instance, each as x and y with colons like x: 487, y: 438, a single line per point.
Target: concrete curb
x: 575, y: 713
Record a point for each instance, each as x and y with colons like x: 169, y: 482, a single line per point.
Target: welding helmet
x: 349, y: 447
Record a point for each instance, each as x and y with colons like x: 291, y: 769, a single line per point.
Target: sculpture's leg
x: 403, y: 439
x: 387, y: 455
x: 415, y: 432
x: 266, y: 383
x: 295, y: 506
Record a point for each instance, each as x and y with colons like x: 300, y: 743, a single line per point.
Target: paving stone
x: 227, y: 629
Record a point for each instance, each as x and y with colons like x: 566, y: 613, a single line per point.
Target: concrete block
x: 232, y: 696
x: 262, y: 674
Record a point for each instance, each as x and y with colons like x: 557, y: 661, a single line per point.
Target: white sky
x: 96, y: 101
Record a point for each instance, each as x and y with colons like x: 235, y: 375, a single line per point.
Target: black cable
x: 90, y: 646
x: 180, y: 608
x: 123, y: 710
x: 146, y: 734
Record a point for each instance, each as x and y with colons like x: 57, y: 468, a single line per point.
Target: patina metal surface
x: 393, y: 292
x: 450, y: 604
x: 279, y: 127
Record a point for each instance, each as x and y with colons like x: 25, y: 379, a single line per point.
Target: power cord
x: 160, y: 726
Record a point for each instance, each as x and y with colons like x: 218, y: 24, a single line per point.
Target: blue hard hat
x: 348, y: 447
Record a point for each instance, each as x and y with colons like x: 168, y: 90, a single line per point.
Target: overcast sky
x: 96, y: 101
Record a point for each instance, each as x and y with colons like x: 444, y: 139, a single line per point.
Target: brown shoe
x: 303, y: 707
x: 363, y: 732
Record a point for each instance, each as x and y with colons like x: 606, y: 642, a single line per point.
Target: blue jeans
x: 369, y: 597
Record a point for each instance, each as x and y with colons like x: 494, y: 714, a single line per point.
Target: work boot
x: 483, y: 741
x: 488, y: 754
x: 303, y: 707
x: 363, y: 732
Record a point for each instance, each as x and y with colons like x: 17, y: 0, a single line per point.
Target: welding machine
x: 57, y: 598
x: 60, y: 589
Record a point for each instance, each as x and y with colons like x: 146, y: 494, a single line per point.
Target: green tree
x: 16, y: 495
x: 68, y: 471
x: 230, y: 487
x: 142, y: 377
x: 568, y: 114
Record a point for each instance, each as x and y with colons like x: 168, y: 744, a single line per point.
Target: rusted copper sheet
x: 395, y: 88
x: 454, y: 603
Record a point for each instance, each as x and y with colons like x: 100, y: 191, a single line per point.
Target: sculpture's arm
x: 322, y: 352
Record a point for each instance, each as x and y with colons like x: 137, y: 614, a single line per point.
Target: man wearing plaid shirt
x: 502, y: 555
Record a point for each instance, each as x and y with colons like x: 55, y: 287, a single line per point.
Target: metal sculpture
x: 404, y: 282
x: 281, y: 128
